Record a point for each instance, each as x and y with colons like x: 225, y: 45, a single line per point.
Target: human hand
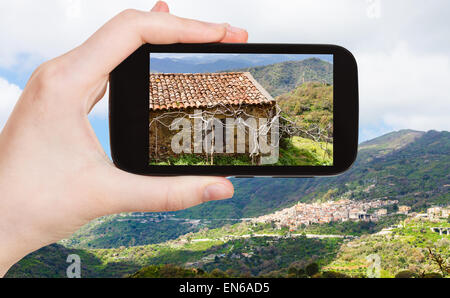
x: 54, y: 174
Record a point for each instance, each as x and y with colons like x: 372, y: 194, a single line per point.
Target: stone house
x: 226, y: 113
x: 403, y: 209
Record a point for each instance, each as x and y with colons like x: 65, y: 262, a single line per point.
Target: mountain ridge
x: 283, y: 77
x: 416, y: 175
x: 415, y: 172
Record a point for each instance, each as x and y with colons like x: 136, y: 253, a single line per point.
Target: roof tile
x: 179, y: 90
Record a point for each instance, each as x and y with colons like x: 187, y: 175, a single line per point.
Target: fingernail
x: 217, y: 191
x: 233, y: 29
x: 157, y: 4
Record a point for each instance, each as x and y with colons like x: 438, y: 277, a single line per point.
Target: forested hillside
x: 309, y: 105
x: 414, y: 170
x: 283, y: 77
x: 409, y: 166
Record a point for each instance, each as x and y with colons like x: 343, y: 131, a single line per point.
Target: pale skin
x: 54, y: 175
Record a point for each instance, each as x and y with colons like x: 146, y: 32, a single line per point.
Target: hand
x: 54, y: 174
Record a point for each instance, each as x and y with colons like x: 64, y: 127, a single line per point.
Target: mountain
x: 407, y: 165
x: 222, y: 62
x: 170, y: 65
x: 50, y: 262
x: 283, y: 77
x: 246, y: 249
x: 414, y: 170
x: 242, y: 256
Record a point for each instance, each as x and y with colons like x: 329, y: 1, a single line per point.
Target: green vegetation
x: 309, y: 105
x: 203, y: 160
x: 413, y: 174
x: 283, y: 77
x: 305, y: 152
x: 413, y: 171
x: 245, y: 249
x: 172, y: 271
x: 262, y: 255
x: 406, y: 248
x: 50, y: 261
x: 353, y: 228
x: 128, y: 229
x: 296, y: 151
x: 207, y: 249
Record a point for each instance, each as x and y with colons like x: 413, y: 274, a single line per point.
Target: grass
x: 200, y: 160
x: 305, y: 152
x: 404, y: 249
x: 297, y: 151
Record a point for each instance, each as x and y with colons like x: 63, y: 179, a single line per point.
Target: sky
x: 222, y: 55
x: 401, y: 47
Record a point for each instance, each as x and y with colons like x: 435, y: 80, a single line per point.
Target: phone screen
x: 240, y: 109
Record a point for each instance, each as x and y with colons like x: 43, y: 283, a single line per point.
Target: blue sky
x: 402, y: 47
x: 218, y: 56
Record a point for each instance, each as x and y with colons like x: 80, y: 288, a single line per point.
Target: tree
x: 395, y: 208
x: 218, y: 273
x: 334, y: 274
x: 301, y: 273
x: 440, y: 261
x: 405, y: 274
x: 432, y: 275
x: 312, y: 269
x: 292, y: 271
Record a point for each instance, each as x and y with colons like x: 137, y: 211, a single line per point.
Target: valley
x: 281, y: 227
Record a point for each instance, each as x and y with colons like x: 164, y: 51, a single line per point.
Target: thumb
x: 134, y: 193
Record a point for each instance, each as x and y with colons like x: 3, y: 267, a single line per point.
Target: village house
x: 228, y: 112
x: 403, y: 209
x: 437, y: 212
x: 381, y: 212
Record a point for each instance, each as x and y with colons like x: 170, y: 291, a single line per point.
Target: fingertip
x: 235, y: 34
x: 160, y: 6
x: 222, y: 189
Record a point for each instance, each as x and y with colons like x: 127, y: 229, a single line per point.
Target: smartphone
x: 244, y: 110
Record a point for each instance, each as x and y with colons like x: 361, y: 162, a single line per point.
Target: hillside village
x: 315, y: 213
x: 342, y: 210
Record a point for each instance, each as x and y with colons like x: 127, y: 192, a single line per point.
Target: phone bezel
x: 129, y: 111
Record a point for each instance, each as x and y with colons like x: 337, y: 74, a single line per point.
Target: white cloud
x: 53, y: 27
x: 404, y: 89
x: 9, y: 94
x: 49, y: 28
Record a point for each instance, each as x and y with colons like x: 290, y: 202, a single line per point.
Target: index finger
x: 127, y: 31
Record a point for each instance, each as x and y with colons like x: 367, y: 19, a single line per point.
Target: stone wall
x: 160, y: 134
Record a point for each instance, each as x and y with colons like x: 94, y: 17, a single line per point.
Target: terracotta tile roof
x: 182, y: 90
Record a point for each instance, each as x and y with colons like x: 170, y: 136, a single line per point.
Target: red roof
x: 183, y: 90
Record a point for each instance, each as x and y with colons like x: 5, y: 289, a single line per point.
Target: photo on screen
x: 240, y: 109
